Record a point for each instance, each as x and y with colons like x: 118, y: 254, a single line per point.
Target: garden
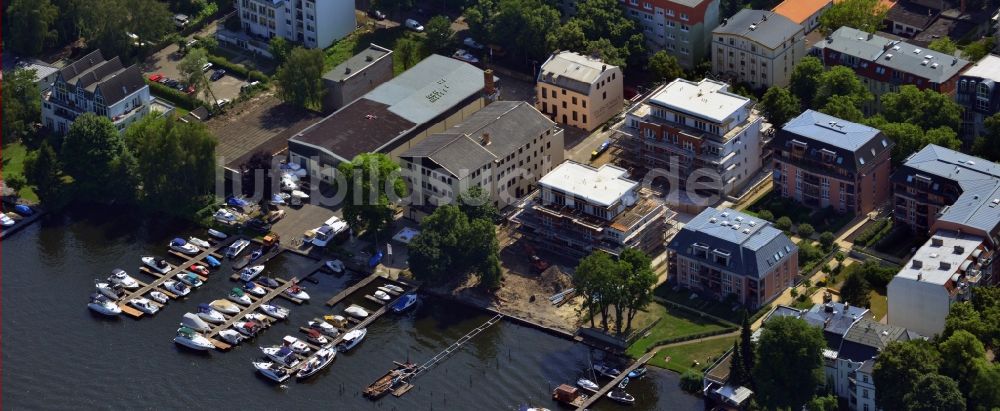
x: 675, y: 324
x: 773, y: 207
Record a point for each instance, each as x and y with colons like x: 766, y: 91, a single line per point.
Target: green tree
x: 737, y: 374
x: 963, y: 316
x: 824, y: 403
x: 149, y: 19
x: 805, y: 79
x: 841, y: 81
x: 664, y: 66
x: 43, y: 172
x: 986, y: 145
x: 789, y: 363
x: 191, y: 69
x: 897, y: 367
x: 909, y: 139
x: 438, y: 32
x: 844, y: 108
x: 766, y: 215
x: 452, y: 243
x: 593, y: 275
x: 984, y: 393
x: 522, y: 27
x: 826, y: 240
x: 784, y: 223
x: 962, y: 354
x: 372, y: 180
x: 94, y: 154
x: 104, y: 24
x: 280, y: 49
x: 855, y: 290
x: 408, y: 52
x: 805, y: 230
x: 976, y: 50
x: 570, y: 36
x: 428, y: 256
x: 934, y: 392
x: 780, y: 105
x: 864, y: 15
x: 490, y: 273
x: 22, y: 105
x: 729, y: 8
x: 637, y: 290
x: 927, y: 108
x: 747, y: 348
x: 475, y: 203
x: 300, y: 79
x: 691, y: 381
x: 944, y: 45
x: 31, y: 26
x: 606, y: 51
x: 606, y: 19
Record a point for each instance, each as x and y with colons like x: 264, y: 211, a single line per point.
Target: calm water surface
x: 58, y: 355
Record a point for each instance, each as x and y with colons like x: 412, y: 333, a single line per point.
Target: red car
x: 155, y: 77
x: 199, y: 269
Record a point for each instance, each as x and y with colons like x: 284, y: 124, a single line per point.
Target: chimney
x: 918, y: 263
x: 959, y: 249
x: 604, y: 67
x: 945, y: 265
x: 489, y: 88
x: 485, y: 139
x: 870, y: 35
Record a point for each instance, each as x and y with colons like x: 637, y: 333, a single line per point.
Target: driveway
x: 165, y: 62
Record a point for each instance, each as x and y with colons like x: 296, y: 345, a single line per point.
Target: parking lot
x: 165, y: 63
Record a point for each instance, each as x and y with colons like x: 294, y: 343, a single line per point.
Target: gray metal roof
x: 765, y: 27
x: 835, y: 319
x: 572, y: 71
x: 854, y: 42
x: 429, y: 88
x: 357, y: 63
x: 978, y: 179
x: 867, y: 338
x: 934, y: 66
x: 856, y: 146
x: 754, y: 245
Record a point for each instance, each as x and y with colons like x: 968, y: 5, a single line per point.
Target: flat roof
x: 927, y: 262
x: 603, y: 186
x: 987, y: 68
x: 357, y: 63
x: 708, y: 99
x: 799, y: 11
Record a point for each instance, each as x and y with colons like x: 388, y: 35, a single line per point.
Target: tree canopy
x: 520, y: 26
x: 439, y: 32
x: 934, y: 392
x: 986, y: 145
x: 855, y: 290
x: 805, y: 79
x: 843, y: 107
x: 840, y: 81
x: 372, y: 183
x: 453, y: 244
x: 95, y: 155
x: 789, y: 363
x: 616, y: 289
x: 944, y: 45
x: 280, y: 49
x: 31, y: 27
x: 898, y: 366
x: 665, y: 66
x: 300, y: 79
x: 780, y: 105
x: 865, y: 15
x: 926, y: 108
x: 978, y: 49
x: 191, y: 69
x: 22, y: 106
x: 43, y: 172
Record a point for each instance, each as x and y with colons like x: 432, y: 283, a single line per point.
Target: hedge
x: 690, y: 337
x: 173, y: 95
x: 237, y: 70
x: 872, y: 234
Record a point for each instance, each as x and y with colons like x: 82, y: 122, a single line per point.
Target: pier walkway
x: 352, y: 289
x: 617, y: 380
x: 232, y: 319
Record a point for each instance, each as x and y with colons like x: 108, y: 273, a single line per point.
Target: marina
x: 231, y: 319
x: 603, y: 392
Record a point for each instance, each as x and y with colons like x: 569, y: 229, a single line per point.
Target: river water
x: 59, y: 355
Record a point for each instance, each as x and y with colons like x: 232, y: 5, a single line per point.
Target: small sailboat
x: 199, y: 242
x: 192, y: 339
x: 297, y: 292
x: 225, y: 307
x: 251, y: 272
x: 176, y: 287
x: 237, y: 295
x: 275, y: 311
x: 156, y: 264
x: 297, y: 345
x: 144, y: 305
x: 323, y: 327
x: 101, y: 304
x: 120, y: 277
x: 322, y: 358
x: 404, y: 303
x: 190, y: 279
x: 254, y: 289
x: 272, y: 371
x: 217, y: 234
x: 181, y: 246
x: 232, y: 337
x: 356, y: 312
x: 352, y: 339
x: 207, y: 313
x: 158, y: 297
x: 382, y: 295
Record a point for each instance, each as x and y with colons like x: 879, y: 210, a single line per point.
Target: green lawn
x: 714, y: 307
x: 673, y: 323
x: 682, y: 357
x: 13, y: 164
x: 878, y: 304
x: 353, y: 44
x: 821, y: 219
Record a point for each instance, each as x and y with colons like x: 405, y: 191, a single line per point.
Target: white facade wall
x: 918, y: 306
x: 313, y: 23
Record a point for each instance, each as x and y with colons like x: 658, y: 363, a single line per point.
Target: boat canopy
x: 204, y: 306
x: 117, y: 271
x: 284, y: 352
x: 178, y: 242
x: 236, y: 202
x: 238, y: 291
x: 186, y: 331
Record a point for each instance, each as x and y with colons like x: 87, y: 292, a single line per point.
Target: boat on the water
x: 181, y: 246
x: 237, y: 247
x: 254, y: 288
x: 194, y: 322
x: 199, y: 269
x: 232, y: 337
x: 315, y: 364
x: 199, y: 242
x: 356, y: 312
x: 390, y: 380
x: 621, y: 396
x: 395, y: 288
x: 190, y: 279
x: 217, y: 234
x: 158, y: 297
x: 272, y: 371
x: 248, y: 328
x: 192, y: 339
x: 297, y: 345
x: 336, y: 266
x: 351, y: 339
x: 282, y: 355
x: 256, y: 253
x: 237, y: 295
x: 101, y: 304
x: 297, y: 292
x: 323, y: 327
x: 144, y: 305
x: 606, y: 370
x: 637, y: 373
x: 120, y: 277
x: 176, y: 287
x: 316, y: 337
x: 268, y: 282
x: 588, y: 385
x: 110, y: 290
x: 225, y: 307
x: 382, y: 295
x: 404, y: 303
x: 212, y: 261
x: 249, y: 273
x: 157, y: 264
x: 207, y: 313
x: 338, y: 321
x: 275, y: 311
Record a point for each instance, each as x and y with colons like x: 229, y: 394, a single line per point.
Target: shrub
x: 826, y: 240
x: 16, y: 182
x: 783, y: 223
x: 872, y: 234
x: 766, y: 215
x: 840, y: 257
x: 175, y: 96
x: 237, y: 70
x: 691, y: 381
x: 795, y: 292
x: 805, y: 230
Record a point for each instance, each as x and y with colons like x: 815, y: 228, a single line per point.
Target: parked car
x: 465, y: 56
x: 206, y: 67
x: 192, y: 42
x: 469, y: 42
x: 414, y: 25
x: 155, y: 77
x: 163, y: 80
x: 257, y: 224
x: 377, y: 15
x: 275, y: 215
x: 181, y: 86
x: 220, y: 103
x: 189, y: 90
x: 171, y: 83
x: 217, y: 74
x: 247, y: 86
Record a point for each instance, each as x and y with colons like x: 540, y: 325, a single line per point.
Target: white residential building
x: 578, y: 90
x: 313, y: 23
x: 757, y: 47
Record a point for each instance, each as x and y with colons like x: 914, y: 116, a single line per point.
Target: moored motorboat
x: 316, y: 337
x: 101, y: 304
x: 199, y: 242
x: 394, y: 287
x: 297, y: 292
x: 281, y: 354
x: 192, y: 339
x: 254, y: 288
x: 248, y: 328
x: 176, y: 287
x: 621, y: 396
x: 232, y: 337
x: 236, y: 248
x: 606, y: 370
x: 190, y: 279
x: 212, y: 261
x: 237, y: 295
x: 637, y: 373
x: 323, y: 327
x: 158, y: 297
x: 199, y: 269
x: 251, y: 272
x: 217, y: 234
x: 272, y: 371
x: 352, y: 339
x: 322, y: 358
x: 275, y: 311
x: 225, y: 306
x: 256, y: 253
x: 144, y: 305
x: 338, y: 321
x: 588, y: 385
x: 120, y: 277
x: 382, y: 295
x: 356, y: 312
x: 297, y: 345
x: 110, y: 290
x: 257, y: 318
x: 194, y: 322
x: 268, y: 282
x: 156, y: 264
x: 207, y: 313
x: 181, y: 246
x: 336, y: 266
x: 404, y: 303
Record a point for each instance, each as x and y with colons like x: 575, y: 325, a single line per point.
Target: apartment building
x: 924, y: 21
x: 757, y: 47
x: 884, y: 65
x: 824, y: 161
x: 805, y: 13
x: 682, y: 28
x: 979, y: 94
x: 579, y: 91
x: 95, y: 85
x: 727, y: 254
x: 688, y: 128
x: 504, y: 148
x: 941, y: 272
x: 356, y: 76
x: 312, y: 23
x: 579, y: 209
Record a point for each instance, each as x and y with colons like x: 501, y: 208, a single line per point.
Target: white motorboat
x: 336, y: 266
x: 316, y: 337
x: 247, y: 328
x: 194, y: 322
x: 382, y: 295
x: 225, y: 307
x: 322, y: 358
x: 157, y: 264
x: 217, y: 234
x: 404, y: 303
x: 297, y: 345
x: 270, y: 370
x: 199, y: 242
x: 190, y: 279
x: 103, y: 305
x: 6, y: 221
x: 199, y: 269
x: 120, y: 277
x: 176, y: 287
x: 394, y: 288
x: 257, y: 318
x: 207, y: 313
x: 274, y: 311
x: 249, y: 273
x: 237, y: 295
x: 281, y: 354
x: 236, y: 248
x: 110, y: 290
x: 356, y: 312
x: 297, y: 292
x: 351, y: 339
x: 181, y: 246
x: 144, y: 305
x: 192, y: 339
x: 606, y: 370
x: 588, y: 385
x: 323, y: 327
x: 232, y: 337
x: 621, y: 396
x: 158, y: 297
x: 255, y: 289
x: 338, y: 321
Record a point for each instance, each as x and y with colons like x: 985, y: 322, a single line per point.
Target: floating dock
x: 617, y: 380
x: 254, y: 305
x: 357, y: 286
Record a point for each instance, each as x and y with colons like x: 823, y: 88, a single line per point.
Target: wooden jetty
x: 232, y: 319
x: 617, y: 380
x: 21, y: 223
x: 354, y: 288
x: 155, y: 284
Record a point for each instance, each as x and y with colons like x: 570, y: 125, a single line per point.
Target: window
x: 684, y: 16
x: 670, y: 12
x: 584, y: 118
x: 545, y: 93
x: 574, y: 100
x: 647, y: 6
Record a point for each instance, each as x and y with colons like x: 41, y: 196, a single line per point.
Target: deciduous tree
x: 843, y: 107
x: 43, y: 172
x: 986, y: 145
x: 805, y: 79
x: 280, y: 49
x: 976, y: 50
x: 475, y: 203
x: 192, y: 70
x: 925, y: 108
x: 934, y: 392
x: 438, y: 32
x: 300, y: 79
x: 841, y: 81
x: 22, y: 104
x: 855, y: 290
x: 372, y: 183
x: 95, y: 155
x: 32, y: 26
x: 789, y: 363
x: 665, y: 66
x: 865, y: 15
x: 944, y: 45
x: 780, y: 105
x: 896, y: 369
